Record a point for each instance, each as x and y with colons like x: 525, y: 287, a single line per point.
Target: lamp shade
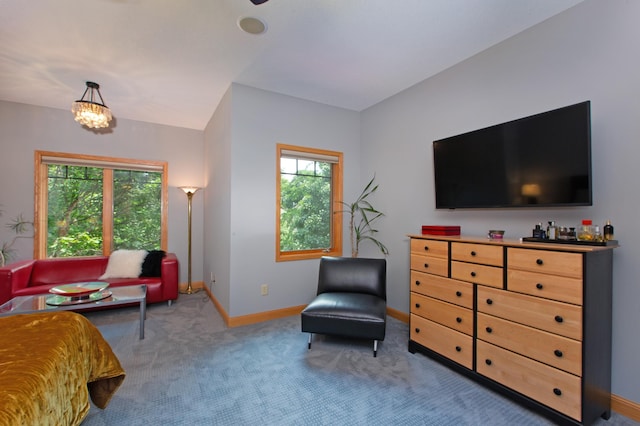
x: 189, y: 189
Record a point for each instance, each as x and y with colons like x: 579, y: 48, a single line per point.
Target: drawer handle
x: 558, y: 353
x: 426, y: 265
x: 417, y: 282
x: 539, y: 286
x: 458, y: 293
x: 539, y: 261
x: 559, y: 319
x: 417, y: 330
x: 458, y: 349
x: 489, y: 302
x: 458, y: 320
x: 473, y: 274
x: 557, y: 391
x: 489, y: 330
x: 426, y: 248
x: 417, y: 305
x: 473, y: 253
x: 487, y: 361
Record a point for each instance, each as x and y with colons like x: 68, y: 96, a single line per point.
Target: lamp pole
x: 189, y: 190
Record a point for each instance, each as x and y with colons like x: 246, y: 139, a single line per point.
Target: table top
x: 35, y: 303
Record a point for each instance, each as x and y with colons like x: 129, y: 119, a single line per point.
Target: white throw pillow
x: 124, y: 264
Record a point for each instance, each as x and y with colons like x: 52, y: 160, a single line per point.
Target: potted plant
x: 362, y: 215
x: 20, y: 226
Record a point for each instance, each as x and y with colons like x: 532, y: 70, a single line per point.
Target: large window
x: 309, y: 191
x: 88, y: 205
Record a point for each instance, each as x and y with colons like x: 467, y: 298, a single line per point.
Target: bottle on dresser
x: 608, y: 231
x: 585, y: 230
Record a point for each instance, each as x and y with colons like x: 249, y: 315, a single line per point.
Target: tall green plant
x: 362, y: 215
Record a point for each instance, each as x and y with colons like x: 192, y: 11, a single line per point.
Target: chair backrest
x: 353, y: 275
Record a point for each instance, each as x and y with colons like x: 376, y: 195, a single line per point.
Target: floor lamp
x: 189, y: 190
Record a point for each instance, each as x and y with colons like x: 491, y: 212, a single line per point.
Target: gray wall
x: 217, y: 208
x: 27, y: 128
x: 590, y: 52
x: 260, y: 120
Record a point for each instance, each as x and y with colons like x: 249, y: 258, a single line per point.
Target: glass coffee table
x: 126, y: 295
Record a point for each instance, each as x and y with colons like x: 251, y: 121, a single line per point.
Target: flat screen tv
x: 539, y: 161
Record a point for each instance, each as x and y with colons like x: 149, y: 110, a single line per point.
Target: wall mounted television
x: 543, y: 160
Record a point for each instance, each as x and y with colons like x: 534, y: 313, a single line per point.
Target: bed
x: 50, y: 364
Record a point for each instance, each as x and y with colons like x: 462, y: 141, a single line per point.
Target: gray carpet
x: 192, y: 370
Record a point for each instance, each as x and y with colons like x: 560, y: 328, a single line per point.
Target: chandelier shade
x: 90, y: 112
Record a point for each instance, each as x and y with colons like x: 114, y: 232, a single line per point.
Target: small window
x: 309, y: 191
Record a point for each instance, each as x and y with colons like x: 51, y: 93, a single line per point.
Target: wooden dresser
x: 530, y: 320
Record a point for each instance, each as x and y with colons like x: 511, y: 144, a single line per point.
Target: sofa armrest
x: 169, y: 270
x: 14, y: 277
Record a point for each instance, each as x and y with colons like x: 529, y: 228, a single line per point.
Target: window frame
x: 336, y: 202
x: 42, y: 159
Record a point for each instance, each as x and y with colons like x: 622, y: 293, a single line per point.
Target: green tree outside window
x: 75, y: 205
x: 305, y: 217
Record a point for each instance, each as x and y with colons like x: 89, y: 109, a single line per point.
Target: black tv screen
x: 539, y: 161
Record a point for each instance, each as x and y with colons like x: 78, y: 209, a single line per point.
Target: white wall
x: 260, y: 120
x: 27, y: 128
x: 590, y: 52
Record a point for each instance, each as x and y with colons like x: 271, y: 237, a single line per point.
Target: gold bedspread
x: 49, y: 365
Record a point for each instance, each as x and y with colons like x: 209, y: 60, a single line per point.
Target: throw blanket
x: 49, y: 365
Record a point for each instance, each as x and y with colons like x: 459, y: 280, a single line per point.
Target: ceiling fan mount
x: 257, y: 2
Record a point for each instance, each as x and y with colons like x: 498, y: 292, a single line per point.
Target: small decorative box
x: 440, y: 230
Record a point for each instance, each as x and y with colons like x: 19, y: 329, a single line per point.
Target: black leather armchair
x: 351, y: 300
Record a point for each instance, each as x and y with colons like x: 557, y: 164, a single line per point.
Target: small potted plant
x: 20, y: 226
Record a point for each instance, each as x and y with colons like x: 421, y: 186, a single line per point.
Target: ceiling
x: 171, y: 61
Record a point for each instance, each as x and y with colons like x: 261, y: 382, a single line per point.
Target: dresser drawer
x: 548, y: 262
x: 452, y: 316
x: 456, y: 346
x: 550, y: 386
x: 548, y: 348
x: 452, y: 291
x: 430, y: 247
x: 555, y: 317
x: 429, y: 264
x: 478, y: 253
x: 479, y: 274
x: 564, y: 289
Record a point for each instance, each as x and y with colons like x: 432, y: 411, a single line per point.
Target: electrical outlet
x: 264, y: 289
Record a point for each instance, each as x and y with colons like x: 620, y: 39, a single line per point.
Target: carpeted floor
x: 192, y: 370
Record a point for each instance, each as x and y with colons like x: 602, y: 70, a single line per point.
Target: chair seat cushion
x: 346, y: 314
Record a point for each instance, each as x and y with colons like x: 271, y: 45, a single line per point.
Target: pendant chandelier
x: 88, y: 111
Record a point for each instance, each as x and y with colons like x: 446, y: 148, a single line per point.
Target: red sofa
x: 29, y: 277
